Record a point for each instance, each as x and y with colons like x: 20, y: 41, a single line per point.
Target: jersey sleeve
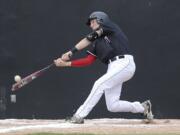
x: 89, y: 59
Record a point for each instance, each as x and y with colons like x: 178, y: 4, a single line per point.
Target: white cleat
x: 148, y: 110
x: 75, y: 120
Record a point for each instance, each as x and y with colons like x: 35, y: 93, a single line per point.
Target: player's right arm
x: 79, y: 46
x: 82, y: 44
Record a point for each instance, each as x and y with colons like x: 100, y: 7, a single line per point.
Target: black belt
x: 116, y: 58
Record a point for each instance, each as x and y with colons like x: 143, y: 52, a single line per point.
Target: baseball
x: 17, y: 78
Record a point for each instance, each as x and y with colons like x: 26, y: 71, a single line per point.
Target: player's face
x: 94, y: 24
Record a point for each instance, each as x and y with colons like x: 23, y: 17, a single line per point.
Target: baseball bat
x: 29, y: 78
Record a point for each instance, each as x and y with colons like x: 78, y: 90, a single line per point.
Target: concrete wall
x: 33, y: 33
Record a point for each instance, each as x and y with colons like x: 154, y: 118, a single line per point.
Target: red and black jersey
x: 113, y: 42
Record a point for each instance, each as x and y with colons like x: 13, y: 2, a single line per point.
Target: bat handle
x: 51, y: 65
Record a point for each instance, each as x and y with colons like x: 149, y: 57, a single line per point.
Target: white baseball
x: 17, y: 78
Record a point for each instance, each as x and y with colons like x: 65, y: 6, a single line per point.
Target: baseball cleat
x: 75, y: 120
x: 148, y: 110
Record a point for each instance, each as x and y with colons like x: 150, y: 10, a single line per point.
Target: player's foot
x: 75, y: 120
x: 148, y: 110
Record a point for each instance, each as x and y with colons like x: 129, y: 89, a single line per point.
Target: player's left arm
x: 88, y: 60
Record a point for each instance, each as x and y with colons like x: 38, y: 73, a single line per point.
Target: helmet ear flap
x: 99, y: 20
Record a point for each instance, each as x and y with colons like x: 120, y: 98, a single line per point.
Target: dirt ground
x: 97, y: 126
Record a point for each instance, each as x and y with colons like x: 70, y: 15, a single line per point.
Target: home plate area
x: 94, y: 126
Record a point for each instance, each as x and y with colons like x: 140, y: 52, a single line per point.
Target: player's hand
x: 66, y: 56
x: 60, y: 63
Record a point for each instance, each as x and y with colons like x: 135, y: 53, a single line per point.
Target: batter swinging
x: 110, y: 45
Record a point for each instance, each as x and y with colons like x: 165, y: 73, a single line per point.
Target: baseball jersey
x: 111, y: 43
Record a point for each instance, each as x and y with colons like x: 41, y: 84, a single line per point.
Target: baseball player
x: 110, y: 45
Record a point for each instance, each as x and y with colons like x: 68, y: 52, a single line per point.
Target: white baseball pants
x: 118, y: 71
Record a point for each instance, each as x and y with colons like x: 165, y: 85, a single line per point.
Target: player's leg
x: 114, y: 104
x: 107, y: 81
x: 118, y: 72
x: 112, y: 95
x: 92, y: 99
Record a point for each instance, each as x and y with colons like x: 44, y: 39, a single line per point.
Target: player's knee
x: 111, y: 108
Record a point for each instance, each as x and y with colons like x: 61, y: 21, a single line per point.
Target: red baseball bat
x: 29, y: 78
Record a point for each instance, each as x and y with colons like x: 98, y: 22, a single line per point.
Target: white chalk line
x: 16, y: 124
x: 11, y: 129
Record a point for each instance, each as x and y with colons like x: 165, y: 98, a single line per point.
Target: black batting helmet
x: 100, y: 16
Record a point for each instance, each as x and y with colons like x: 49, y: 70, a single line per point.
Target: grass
x: 99, y: 134
x: 59, y: 134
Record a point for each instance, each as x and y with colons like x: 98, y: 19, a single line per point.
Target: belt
x: 116, y: 58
